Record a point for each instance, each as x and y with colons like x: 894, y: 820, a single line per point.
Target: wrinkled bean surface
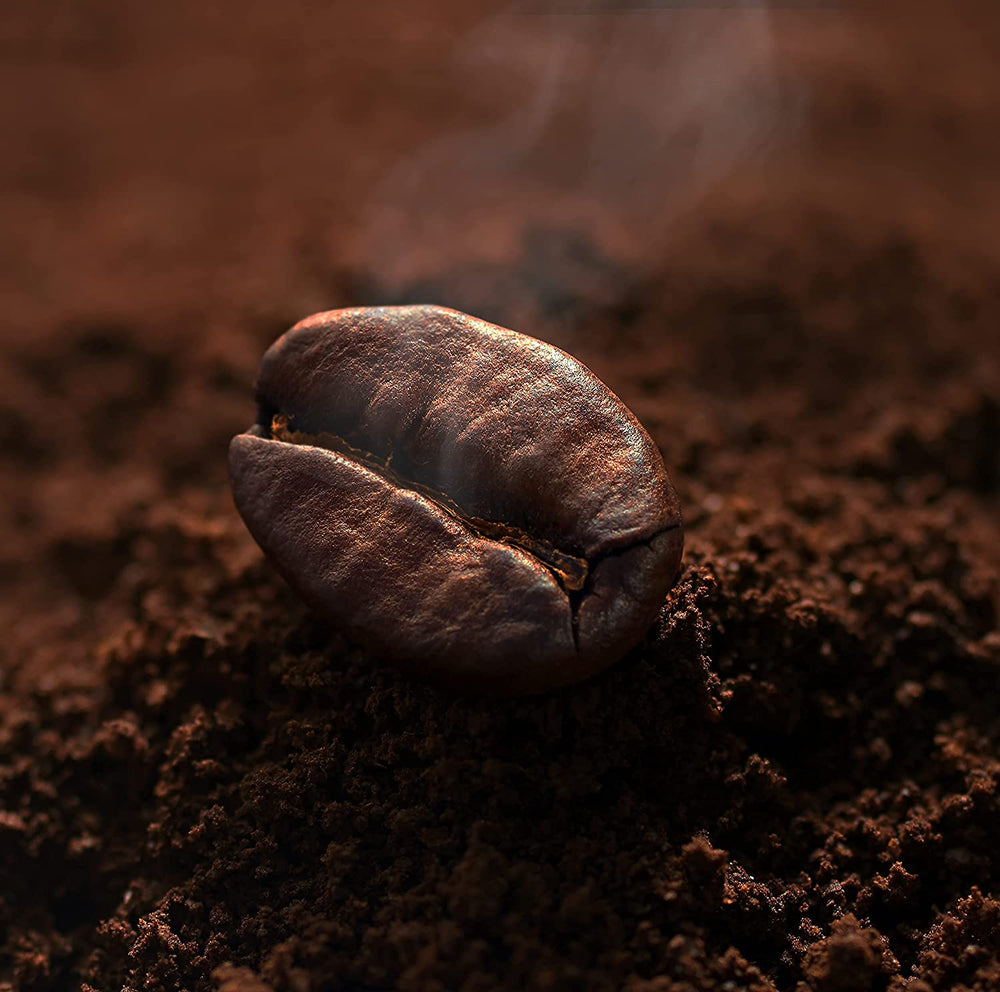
x: 470, y: 502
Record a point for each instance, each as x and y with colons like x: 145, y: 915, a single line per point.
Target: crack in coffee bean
x: 470, y: 502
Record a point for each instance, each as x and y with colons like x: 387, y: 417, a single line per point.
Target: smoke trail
x: 636, y: 114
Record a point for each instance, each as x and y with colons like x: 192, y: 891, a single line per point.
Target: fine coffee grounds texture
x: 790, y: 785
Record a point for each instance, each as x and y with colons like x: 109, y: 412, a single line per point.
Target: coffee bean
x: 470, y: 502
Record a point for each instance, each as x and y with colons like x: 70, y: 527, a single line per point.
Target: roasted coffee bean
x: 472, y: 503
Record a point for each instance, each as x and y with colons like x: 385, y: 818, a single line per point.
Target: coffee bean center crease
x: 570, y: 570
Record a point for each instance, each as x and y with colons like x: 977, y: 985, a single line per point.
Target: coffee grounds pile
x: 792, y: 784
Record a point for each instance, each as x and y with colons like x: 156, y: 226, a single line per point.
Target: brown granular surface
x: 792, y: 784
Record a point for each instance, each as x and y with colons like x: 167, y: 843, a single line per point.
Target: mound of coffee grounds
x: 791, y: 783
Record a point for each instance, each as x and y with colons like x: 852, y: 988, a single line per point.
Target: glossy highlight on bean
x: 470, y: 503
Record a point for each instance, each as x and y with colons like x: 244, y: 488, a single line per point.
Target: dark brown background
x: 774, y: 234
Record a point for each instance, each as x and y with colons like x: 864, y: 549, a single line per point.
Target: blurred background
x: 213, y: 155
